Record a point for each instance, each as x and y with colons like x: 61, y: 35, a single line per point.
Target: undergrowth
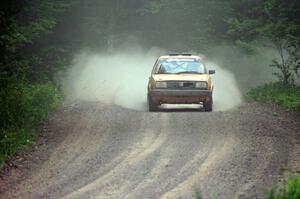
x: 22, y: 108
x: 285, y: 95
x: 290, y: 191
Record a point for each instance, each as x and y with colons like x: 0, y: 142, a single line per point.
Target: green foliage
x: 289, y: 63
x: 198, y: 194
x: 285, y: 95
x: 278, y: 22
x: 243, y: 30
x: 29, y: 62
x: 22, y: 108
x: 193, y: 24
x: 284, y: 75
x: 246, y: 47
x: 274, y: 19
x: 290, y: 191
x: 153, y: 7
x: 25, y: 33
x: 13, y: 140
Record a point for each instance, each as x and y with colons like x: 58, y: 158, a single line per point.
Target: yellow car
x: 180, y: 79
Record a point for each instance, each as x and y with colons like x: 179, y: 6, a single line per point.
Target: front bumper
x: 171, y: 96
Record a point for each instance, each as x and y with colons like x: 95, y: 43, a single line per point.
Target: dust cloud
x: 121, y: 78
x: 249, y: 69
x: 227, y: 94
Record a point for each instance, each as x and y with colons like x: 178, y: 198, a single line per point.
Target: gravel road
x: 94, y: 151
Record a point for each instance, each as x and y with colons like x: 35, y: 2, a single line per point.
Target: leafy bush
x: 247, y: 47
x: 13, y: 140
x: 153, y: 7
x: 289, y: 63
x: 285, y: 95
x: 22, y: 107
x: 290, y: 191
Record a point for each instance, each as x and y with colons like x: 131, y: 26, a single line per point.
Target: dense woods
x: 39, y: 38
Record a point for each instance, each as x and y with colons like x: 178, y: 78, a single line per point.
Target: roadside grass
x: 290, y: 191
x: 198, y: 194
x: 23, y: 107
x: 284, y: 95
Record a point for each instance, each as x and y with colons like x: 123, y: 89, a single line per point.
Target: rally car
x: 180, y: 79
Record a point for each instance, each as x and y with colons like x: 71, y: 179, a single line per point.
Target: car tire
x: 151, y: 105
x: 208, y: 105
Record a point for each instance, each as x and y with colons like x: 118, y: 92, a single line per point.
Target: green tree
x: 276, y: 20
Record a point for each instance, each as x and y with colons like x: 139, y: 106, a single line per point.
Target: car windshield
x: 180, y: 66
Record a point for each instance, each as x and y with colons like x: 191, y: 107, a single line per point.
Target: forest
x: 38, y: 40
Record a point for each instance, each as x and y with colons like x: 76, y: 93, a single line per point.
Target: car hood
x: 181, y: 77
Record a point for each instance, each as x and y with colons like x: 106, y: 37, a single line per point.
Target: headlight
x: 202, y: 85
x: 161, y: 85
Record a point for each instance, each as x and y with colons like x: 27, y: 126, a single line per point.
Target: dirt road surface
x: 90, y: 150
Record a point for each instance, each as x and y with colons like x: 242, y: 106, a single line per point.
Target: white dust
x: 121, y: 79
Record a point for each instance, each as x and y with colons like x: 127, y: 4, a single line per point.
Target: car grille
x: 181, y: 85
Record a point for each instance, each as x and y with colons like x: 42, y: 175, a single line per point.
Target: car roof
x: 180, y: 56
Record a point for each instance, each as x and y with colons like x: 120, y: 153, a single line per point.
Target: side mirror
x: 211, y: 72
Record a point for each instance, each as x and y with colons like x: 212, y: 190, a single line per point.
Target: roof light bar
x: 176, y: 54
x: 186, y: 54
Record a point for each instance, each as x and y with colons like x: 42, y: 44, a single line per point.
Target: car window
x: 178, y: 66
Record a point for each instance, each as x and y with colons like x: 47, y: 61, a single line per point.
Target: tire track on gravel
x: 116, y: 153
x: 142, y: 149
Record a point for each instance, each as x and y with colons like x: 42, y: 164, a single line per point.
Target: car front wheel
x: 151, y: 105
x: 208, y: 105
